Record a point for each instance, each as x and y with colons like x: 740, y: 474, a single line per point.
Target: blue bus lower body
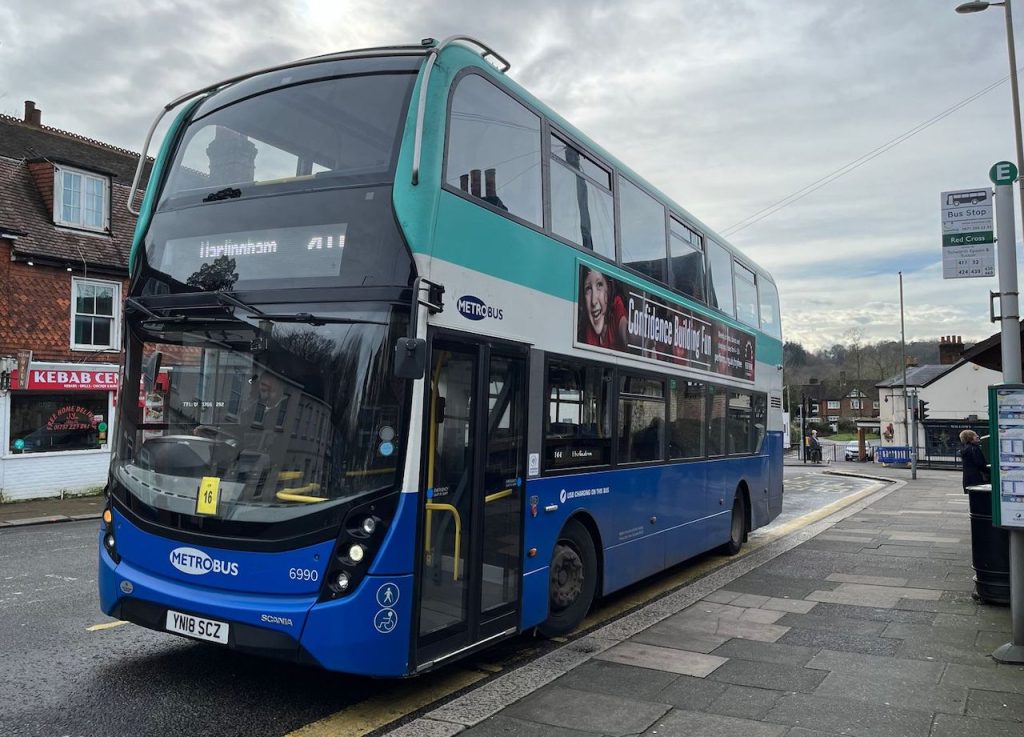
x: 647, y: 519
x: 355, y: 634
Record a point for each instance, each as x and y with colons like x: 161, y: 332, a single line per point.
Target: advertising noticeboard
x: 1006, y: 410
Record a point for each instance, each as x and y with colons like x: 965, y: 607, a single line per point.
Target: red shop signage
x: 51, y: 379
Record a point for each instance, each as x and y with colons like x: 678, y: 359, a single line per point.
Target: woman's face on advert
x: 595, y: 294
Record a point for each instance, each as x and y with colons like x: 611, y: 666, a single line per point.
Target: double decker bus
x: 413, y: 366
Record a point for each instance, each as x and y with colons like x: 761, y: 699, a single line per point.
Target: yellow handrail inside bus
x: 498, y: 495
x: 431, y: 506
x: 297, y: 495
x: 431, y: 448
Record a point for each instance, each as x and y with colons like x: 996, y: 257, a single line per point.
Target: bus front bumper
x: 353, y: 634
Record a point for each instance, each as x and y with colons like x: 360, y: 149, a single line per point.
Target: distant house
x: 848, y: 401
x: 65, y: 237
x: 953, y: 396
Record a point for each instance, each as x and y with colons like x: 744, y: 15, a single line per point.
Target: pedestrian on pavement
x: 814, y: 447
x: 975, y: 466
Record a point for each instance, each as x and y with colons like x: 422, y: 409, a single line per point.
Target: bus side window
x: 581, y: 199
x: 686, y: 407
x: 577, y: 430
x: 494, y: 146
x: 642, y: 222
x: 746, y: 295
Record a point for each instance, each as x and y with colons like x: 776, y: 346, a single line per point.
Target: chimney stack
x: 33, y: 115
x: 951, y: 347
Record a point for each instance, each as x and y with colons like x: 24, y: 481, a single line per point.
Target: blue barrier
x: 892, y: 454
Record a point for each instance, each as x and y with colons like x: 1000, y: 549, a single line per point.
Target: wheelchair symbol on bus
x: 387, y: 595
x: 385, y: 621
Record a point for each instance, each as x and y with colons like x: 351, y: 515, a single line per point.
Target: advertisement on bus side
x: 617, y: 316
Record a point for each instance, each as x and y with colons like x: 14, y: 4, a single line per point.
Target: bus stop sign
x: 1004, y: 172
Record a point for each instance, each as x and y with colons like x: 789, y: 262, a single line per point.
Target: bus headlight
x: 341, y: 582
x: 109, y: 540
x: 362, y: 533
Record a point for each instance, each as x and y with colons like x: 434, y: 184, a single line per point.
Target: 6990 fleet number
x: 303, y: 574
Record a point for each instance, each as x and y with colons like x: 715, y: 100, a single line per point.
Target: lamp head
x: 972, y: 7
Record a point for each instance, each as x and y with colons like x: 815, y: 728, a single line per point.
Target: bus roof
x: 461, y: 56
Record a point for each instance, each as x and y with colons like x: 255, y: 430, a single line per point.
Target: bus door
x: 471, y: 536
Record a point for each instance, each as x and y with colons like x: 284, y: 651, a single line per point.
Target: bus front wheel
x: 737, y: 525
x: 572, y: 581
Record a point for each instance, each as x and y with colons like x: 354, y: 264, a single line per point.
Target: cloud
x: 727, y: 107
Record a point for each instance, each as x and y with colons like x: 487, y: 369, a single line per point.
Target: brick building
x: 65, y: 236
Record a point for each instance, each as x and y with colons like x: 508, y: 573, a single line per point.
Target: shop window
x: 643, y: 231
x: 46, y: 423
x: 577, y: 430
x: 641, y: 419
x: 581, y: 199
x: 494, y: 146
x: 95, y: 306
x: 686, y: 409
x: 81, y: 199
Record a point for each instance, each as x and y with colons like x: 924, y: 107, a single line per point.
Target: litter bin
x: 990, y: 549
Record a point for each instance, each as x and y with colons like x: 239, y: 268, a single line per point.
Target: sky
x: 727, y: 106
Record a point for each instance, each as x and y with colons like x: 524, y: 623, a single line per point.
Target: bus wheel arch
x: 574, y: 575
x: 739, y: 520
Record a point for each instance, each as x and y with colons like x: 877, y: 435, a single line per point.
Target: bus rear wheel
x: 737, y: 525
x: 572, y: 581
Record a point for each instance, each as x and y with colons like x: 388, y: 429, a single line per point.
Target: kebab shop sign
x: 63, y: 379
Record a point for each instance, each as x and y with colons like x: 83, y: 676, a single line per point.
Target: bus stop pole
x: 1006, y: 250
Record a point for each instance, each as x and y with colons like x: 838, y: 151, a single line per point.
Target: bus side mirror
x: 410, y: 358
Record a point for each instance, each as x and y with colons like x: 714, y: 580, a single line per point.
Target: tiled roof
x: 23, y: 210
x: 919, y: 375
x: 19, y: 140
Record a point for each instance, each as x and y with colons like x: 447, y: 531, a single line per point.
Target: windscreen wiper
x: 135, y: 304
x: 306, y: 317
x: 230, y: 193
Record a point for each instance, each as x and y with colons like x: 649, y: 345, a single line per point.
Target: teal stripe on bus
x: 161, y: 162
x: 478, y: 239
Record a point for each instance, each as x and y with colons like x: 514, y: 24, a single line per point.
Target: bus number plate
x: 204, y: 629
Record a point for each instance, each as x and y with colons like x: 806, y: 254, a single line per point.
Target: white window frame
x: 832, y: 404
x: 58, y: 199
x: 855, y: 404
x: 874, y: 404
x: 833, y: 418
x: 115, y: 326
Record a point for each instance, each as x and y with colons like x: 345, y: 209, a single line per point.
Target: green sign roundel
x: 1004, y: 172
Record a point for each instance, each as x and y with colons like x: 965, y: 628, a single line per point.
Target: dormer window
x: 81, y: 199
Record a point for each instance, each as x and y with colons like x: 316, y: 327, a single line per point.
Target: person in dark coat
x: 975, y: 467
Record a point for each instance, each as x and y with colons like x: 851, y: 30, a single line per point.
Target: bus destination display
x: 223, y: 259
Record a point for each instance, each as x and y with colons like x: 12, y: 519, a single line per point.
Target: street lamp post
x: 976, y: 7
x: 1013, y: 651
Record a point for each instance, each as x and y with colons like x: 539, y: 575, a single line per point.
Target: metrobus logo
x: 474, y: 308
x: 197, y: 563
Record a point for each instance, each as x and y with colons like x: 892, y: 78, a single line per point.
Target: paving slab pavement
x: 862, y: 624
x: 44, y: 511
